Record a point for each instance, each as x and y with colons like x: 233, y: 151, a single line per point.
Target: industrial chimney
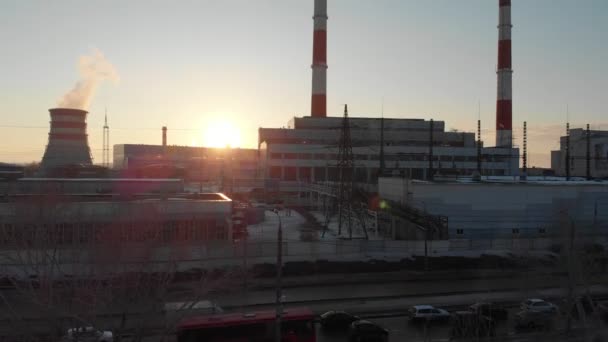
x: 505, y: 75
x: 68, y: 143
x: 318, y: 106
x: 164, y: 136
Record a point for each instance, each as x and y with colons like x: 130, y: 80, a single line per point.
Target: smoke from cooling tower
x: 93, y: 68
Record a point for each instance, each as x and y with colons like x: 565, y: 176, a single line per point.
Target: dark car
x: 337, y: 320
x: 492, y: 310
x: 366, y: 331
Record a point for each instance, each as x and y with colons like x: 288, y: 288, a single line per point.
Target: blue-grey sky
x: 189, y: 64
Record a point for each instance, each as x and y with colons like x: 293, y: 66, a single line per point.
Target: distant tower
x: 68, y: 140
x: 164, y: 136
x: 318, y: 106
x: 524, y: 175
x: 504, y: 106
x: 106, y: 142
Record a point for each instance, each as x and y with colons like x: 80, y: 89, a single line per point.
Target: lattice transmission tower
x: 350, y: 210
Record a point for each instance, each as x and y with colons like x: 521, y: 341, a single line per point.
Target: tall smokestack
x: 164, y: 136
x: 68, y: 143
x: 504, y: 72
x: 318, y: 106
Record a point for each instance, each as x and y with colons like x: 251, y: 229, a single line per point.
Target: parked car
x: 491, y: 310
x: 337, y: 320
x: 420, y: 313
x: 530, y: 319
x: 536, y: 304
x: 88, y: 334
x: 469, y: 324
x: 366, y: 331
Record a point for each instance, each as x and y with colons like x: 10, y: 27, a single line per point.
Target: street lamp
x: 279, y: 309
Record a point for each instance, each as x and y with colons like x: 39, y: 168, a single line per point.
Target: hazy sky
x: 186, y: 64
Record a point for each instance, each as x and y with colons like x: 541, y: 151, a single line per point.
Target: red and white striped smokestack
x: 504, y: 73
x: 318, y: 106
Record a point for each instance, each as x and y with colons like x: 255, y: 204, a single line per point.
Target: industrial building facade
x: 197, y: 163
x: 506, y: 209
x: 579, y: 156
x: 47, y: 222
x: 307, y: 150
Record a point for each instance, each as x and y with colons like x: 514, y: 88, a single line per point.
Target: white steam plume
x: 93, y: 69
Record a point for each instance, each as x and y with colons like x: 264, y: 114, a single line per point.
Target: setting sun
x: 222, y: 134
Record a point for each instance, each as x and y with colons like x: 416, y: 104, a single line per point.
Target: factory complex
x: 402, y: 178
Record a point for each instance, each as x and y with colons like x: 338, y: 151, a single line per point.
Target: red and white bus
x: 296, y: 326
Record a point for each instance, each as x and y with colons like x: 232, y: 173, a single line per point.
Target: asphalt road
x: 401, y: 330
x: 375, y: 298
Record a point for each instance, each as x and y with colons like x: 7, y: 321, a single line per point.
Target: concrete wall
x: 490, y: 210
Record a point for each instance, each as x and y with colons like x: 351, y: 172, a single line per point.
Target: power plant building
x: 582, y: 148
x: 196, y: 163
x: 307, y: 150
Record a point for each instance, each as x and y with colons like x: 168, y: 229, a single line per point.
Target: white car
x: 88, y: 334
x: 420, y: 313
x: 540, y: 305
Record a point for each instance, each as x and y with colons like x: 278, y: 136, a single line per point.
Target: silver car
x: 540, y: 305
x: 420, y: 313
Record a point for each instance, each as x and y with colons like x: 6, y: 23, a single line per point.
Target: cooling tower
x: 68, y: 143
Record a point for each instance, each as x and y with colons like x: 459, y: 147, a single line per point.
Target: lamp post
x: 279, y: 291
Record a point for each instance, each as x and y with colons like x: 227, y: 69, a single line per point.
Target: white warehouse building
x: 498, y: 209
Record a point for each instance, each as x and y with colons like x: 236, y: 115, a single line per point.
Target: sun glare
x: 222, y: 134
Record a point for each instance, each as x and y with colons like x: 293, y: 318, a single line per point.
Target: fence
x: 155, y: 258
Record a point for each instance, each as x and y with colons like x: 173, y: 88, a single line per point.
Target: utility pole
x: 479, y: 147
x: 279, y: 290
x: 382, y: 165
x: 571, y: 280
x: 567, y: 151
x: 588, y: 156
x: 524, y: 175
x: 430, y: 176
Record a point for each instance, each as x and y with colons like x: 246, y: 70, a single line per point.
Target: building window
x: 290, y: 174
x: 275, y: 172
x: 290, y: 155
x: 319, y: 156
x: 542, y: 230
x: 515, y: 230
x: 459, y: 231
x: 276, y: 156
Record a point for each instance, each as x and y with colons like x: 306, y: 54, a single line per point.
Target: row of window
x: 389, y: 157
x: 31, y: 234
x: 362, y: 174
x: 514, y: 231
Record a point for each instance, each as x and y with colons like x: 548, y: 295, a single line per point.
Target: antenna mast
x: 106, y: 142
